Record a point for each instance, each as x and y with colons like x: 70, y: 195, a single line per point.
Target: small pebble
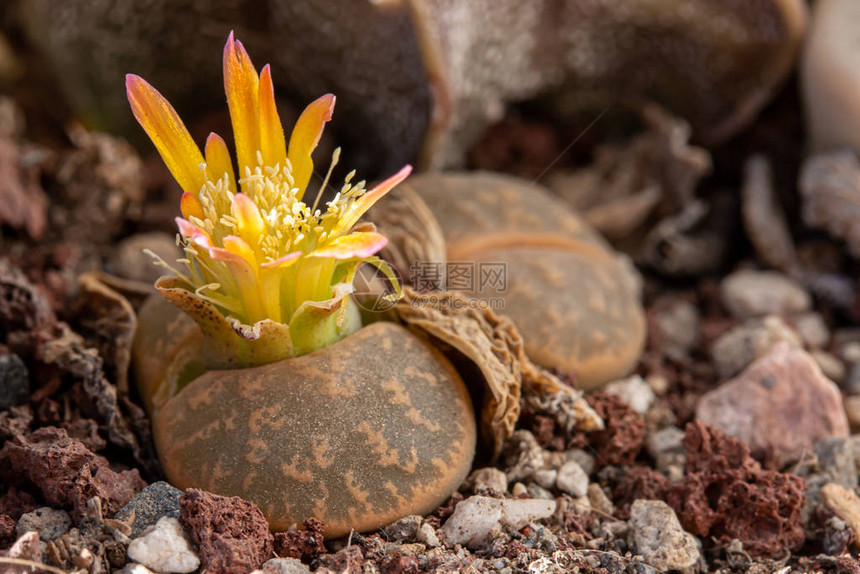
x: 285, y: 566
x: 835, y: 463
x: 851, y: 384
x: 634, y: 391
x: 476, y: 517
x: 679, y: 328
x: 488, y: 478
x: 852, y: 411
x: 658, y: 537
x: 48, y: 522
x: 133, y: 568
x: 427, y: 535
x: 572, y: 479
x: 519, y: 489
x: 812, y: 329
x: 545, y: 477
x: 844, y: 503
x: 544, y: 566
x: 850, y: 351
x: 584, y: 459
x: 14, y: 381
x: 832, y: 367
x: 742, y: 345
x: 130, y: 261
x: 667, y: 449
x: 669, y: 439
x: 598, y: 499
x: 164, y: 548
x: 149, y: 505
x: 749, y: 293
x: 522, y: 456
x: 537, y: 491
x: 658, y: 383
x: 404, y: 529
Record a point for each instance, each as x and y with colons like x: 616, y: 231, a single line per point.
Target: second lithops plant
x: 275, y: 392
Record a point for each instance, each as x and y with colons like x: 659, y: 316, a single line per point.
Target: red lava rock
x: 304, y: 544
x: 7, y: 530
x: 65, y: 472
x: 622, y: 439
x: 781, y: 403
x: 17, y: 502
x: 86, y: 431
x: 397, y: 563
x: 231, y: 533
x: 726, y: 495
x: 346, y: 561
x: 579, y: 523
x: 15, y: 421
x: 639, y: 482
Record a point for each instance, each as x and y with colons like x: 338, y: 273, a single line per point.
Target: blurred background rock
x: 416, y: 80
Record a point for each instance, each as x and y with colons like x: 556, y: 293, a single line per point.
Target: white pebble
x: 634, y: 391
x: 658, y: 537
x: 545, y: 477
x: 749, y: 293
x: 285, y: 566
x: 572, y: 479
x: 427, y: 535
x: 488, y: 477
x: 164, y: 548
x: 475, y: 518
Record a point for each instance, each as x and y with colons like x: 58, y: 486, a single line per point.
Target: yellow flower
x: 255, y: 251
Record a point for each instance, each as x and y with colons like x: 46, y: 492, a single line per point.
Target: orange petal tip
x: 357, y: 245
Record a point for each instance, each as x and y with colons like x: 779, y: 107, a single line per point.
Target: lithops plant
x: 435, y: 73
x: 260, y: 380
x: 574, y: 300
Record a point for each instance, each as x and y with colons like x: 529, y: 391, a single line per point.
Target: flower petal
x: 282, y: 262
x: 355, y: 245
x: 245, y: 275
x: 248, y: 217
x: 237, y: 246
x: 190, y: 206
x: 273, y: 147
x: 242, y: 87
x: 188, y: 230
x: 218, y: 161
x: 305, y: 137
x: 166, y: 130
x: 366, y: 201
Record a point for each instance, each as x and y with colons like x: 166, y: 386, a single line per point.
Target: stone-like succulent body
x: 574, y: 301
x: 358, y: 434
x: 261, y: 381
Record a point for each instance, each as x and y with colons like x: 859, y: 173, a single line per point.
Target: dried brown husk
x: 764, y: 219
x: 493, y: 344
x: 652, y: 175
x: 830, y: 187
x: 412, y: 231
